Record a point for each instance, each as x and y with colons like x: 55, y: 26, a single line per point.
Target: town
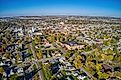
x: 60, y: 48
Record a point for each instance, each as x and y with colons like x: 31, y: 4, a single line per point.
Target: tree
x: 110, y: 57
x: 1, y: 70
x: 13, y: 77
x: 98, y: 67
x: 77, y: 62
x: 39, y: 54
x: 103, y: 75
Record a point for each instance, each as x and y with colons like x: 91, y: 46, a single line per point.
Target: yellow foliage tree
x: 77, y: 62
x: 1, y: 70
x: 103, y: 75
x: 98, y: 67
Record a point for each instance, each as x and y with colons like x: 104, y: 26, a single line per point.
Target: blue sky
x: 60, y: 7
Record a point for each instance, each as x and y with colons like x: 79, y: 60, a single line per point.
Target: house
x: 2, y: 63
x: 11, y: 72
x: 62, y: 59
x: 106, y: 68
x: 72, y: 45
x: 80, y: 77
x: 37, y: 33
x: 1, y: 50
x: 68, y: 72
x: 25, y: 55
x: 20, y: 70
x: 59, y: 74
x: 75, y: 73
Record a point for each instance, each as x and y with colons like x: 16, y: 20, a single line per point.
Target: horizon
x: 101, y: 8
x: 56, y: 16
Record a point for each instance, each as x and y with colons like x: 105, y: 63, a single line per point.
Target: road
x: 41, y: 76
x: 59, y: 47
x: 51, y: 58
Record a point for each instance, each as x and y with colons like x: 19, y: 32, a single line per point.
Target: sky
x: 60, y: 7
